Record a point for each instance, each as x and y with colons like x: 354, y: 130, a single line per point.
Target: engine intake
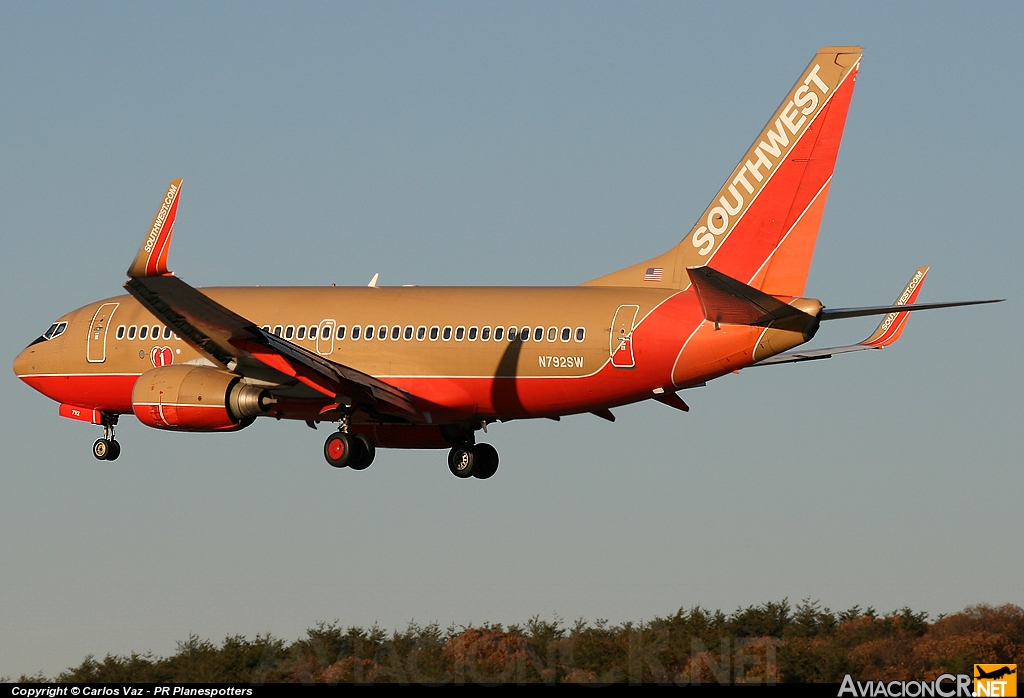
x: 196, y: 398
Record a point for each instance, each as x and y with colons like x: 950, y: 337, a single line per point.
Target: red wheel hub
x: 336, y: 449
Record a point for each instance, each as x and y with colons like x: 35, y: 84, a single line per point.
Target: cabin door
x: 621, y: 338
x: 96, y: 349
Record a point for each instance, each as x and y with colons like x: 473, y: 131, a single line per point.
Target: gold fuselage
x: 455, y: 379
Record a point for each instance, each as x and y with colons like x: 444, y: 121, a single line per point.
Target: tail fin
x: 152, y: 257
x: 762, y: 225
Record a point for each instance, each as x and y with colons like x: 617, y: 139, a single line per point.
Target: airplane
x: 995, y: 673
x: 430, y: 367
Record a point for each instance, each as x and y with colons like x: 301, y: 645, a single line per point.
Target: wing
x: 238, y: 344
x: 887, y: 332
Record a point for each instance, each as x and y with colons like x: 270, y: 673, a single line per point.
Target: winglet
x: 152, y: 257
x: 892, y: 325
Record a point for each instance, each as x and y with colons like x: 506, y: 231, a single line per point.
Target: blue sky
x: 508, y: 144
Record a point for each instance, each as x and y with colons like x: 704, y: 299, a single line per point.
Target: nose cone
x: 23, y: 364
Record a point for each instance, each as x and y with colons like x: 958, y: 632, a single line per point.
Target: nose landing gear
x: 107, y: 448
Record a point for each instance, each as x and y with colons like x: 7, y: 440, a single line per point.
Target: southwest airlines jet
x: 430, y: 367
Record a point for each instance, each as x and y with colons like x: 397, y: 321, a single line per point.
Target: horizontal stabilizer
x: 887, y: 332
x: 841, y: 313
x: 728, y: 301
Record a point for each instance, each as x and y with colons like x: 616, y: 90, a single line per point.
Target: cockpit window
x: 55, y: 330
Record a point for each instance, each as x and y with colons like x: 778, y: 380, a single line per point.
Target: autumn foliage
x: 770, y: 643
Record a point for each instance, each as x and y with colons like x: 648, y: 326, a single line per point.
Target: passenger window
x: 266, y: 328
x: 368, y: 333
x: 580, y: 334
x: 513, y: 334
x: 277, y: 330
x: 552, y: 334
x: 120, y: 331
x: 524, y: 334
x: 408, y: 332
x: 538, y: 334
x: 289, y: 331
x: 498, y: 331
x: 301, y: 334
x: 566, y: 333
x: 341, y: 332
x: 156, y: 332
x: 355, y: 332
x: 485, y: 334
x: 131, y: 332
x: 167, y: 333
x: 447, y: 333
x: 143, y: 331
x: 460, y: 333
x: 421, y: 333
x: 434, y: 332
x: 313, y: 331
x: 396, y: 332
x: 472, y: 334
x: 382, y: 332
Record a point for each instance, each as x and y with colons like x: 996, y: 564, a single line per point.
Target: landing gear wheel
x: 462, y: 460
x: 364, y: 452
x: 339, y: 449
x: 114, y: 450
x: 101, y: 449
x: 486, y: 461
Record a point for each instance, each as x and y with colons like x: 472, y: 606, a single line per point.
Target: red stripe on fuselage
x: 105, y: 392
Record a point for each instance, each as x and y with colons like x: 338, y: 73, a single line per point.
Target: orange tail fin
x: 762, y: 225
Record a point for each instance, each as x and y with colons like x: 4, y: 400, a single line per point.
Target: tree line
x: 773, y: 642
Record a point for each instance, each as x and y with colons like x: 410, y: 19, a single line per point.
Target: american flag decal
x: 653, y: 274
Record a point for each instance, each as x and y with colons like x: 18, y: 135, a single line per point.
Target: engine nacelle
x: 196, y: 398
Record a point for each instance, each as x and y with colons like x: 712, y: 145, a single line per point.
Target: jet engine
x: 196, y: 398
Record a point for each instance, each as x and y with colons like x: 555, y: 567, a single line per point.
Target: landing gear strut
x: 469, y: 460
x: 107, y: 448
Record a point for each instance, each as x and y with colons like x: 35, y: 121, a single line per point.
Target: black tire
x: 364, y: 452
x: 486, y: 457
x: 339, y: 450
x: 462, y: 460
x: 101, y: 449
x: 115, y: 450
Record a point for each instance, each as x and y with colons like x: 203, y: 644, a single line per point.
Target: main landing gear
x: 107, y: 448
x: 355, y: 451
x: 469, y: 460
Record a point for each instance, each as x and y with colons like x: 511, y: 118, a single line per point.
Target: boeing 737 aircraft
x: 429, y: 367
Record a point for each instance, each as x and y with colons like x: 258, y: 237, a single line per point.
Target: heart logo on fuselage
x: 161, y: 356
